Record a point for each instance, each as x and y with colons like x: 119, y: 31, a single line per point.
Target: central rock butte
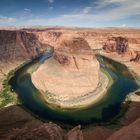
x: 71, y: 73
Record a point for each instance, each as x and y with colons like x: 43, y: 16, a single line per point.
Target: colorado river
x: 103, y: 111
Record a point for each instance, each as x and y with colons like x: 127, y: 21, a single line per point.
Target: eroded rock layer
x: 116, y: 44
x: 19, y: 45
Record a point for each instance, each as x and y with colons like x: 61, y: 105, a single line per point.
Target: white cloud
x: 27, y: 10
x: 123, y: 25
x: 51, y: 7
x: 4, y: 19
x: 96, y: 14
x: 86, y: 10
x: 51, y: 1
x: 121, y: 10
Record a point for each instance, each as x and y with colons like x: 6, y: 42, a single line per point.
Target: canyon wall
x: 20, y: 45
x: 23, y: 44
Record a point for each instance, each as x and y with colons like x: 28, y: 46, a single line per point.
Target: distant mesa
x: 120, y: 45
x: 116, y: 44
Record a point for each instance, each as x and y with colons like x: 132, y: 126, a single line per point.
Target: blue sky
x: 83, y: 13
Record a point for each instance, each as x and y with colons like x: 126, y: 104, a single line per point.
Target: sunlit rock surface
x: 73, y: 71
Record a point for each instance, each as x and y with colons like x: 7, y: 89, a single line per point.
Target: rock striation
x: 19, y: 45
x: 22, y: 44
x: 73, y: 46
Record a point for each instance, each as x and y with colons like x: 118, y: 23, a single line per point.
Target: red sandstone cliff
x: 21, y: 44
x: 16, y: 45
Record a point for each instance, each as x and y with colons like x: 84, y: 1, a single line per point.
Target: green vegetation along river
x: 102, y: 112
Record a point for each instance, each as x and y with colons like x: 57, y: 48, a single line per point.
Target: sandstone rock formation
x: 16, y: 43
x: 130, y: 132
x: 116, y: 44
x: 49, y: 37
x: 75, y: 134
x: 30, y: 42
x: 22, y: 126
x: 68, y: 45
x: 136, y: 58
x: 19, y: 45
x: 16, y: 117
x: 47, y: 131
x: 71, y: 73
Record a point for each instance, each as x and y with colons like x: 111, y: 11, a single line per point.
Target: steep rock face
x: 21, y: 44
x: 71, y: 46
x: 75, y: 134
x: 16, y: 45
x: 7, y: 44
x: 47, y: 131
x: 116, y: 44
x: 136, y: 58
x: 49, y: 37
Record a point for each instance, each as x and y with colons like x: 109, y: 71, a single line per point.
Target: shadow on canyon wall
x: 20, y: 45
